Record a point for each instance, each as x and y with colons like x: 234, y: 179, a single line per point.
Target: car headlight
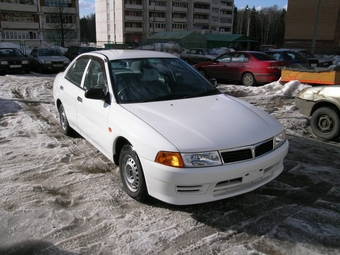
x: 200, y: 159
x: 3, y: 62
x: 279, y: 139
x: 25, y: 62
x: 66, y: 61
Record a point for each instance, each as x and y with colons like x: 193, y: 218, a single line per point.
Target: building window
x: 59, y: 3
x: 18, y: 17
x: 56, y: 19
x: 180, y: 4
x: 21, y: 35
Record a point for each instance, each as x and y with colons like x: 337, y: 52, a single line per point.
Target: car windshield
x: 10, y: 52
x: 306, y: 54
x: 157, y: 79
x: 49, y: 52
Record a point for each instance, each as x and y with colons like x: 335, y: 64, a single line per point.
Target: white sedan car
x: 173, y: 135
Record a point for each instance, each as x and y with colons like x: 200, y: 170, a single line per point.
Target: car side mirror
x: 97, y: 94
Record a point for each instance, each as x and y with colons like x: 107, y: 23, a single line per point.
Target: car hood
x: 319, y: 93
x: 207, y: 123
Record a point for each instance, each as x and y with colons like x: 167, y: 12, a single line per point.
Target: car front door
x: 219, y: 69
x: 92, y: 114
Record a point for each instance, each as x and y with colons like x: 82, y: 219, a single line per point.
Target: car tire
x: 325, y: 123
x: 248, y: 79
x: 132, y: 175
x: 40, y: 69
x: 202, y: 72
x: 65, y: 127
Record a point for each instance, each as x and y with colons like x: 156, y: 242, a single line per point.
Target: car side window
x: 95, y: 76
x: 76, y: 71
x: 238, y: 58
x: 224, y: 58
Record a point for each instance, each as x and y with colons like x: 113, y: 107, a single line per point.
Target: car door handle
x: 61, y: 88
x: 79, y: 99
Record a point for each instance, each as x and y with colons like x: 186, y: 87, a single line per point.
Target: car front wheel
x: 132, y: 174
x: 248, y: 79
x: 325, y: 123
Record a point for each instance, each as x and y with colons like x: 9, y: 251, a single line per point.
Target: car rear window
x: 262, y: 56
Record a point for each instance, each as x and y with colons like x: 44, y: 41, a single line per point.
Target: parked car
x: 266, y: 47
x: 74, y: 51
x: 194, y: 56
x: 12, y: 60
x: 321, y: 62
x: 322, y: 105
x: 48, y: 59
x: 247, y: 67
x: 173, y: 134
x: 291, y: 56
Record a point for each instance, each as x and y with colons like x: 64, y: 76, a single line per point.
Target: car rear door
x: 70, y: 89
x: 237, y: 66
x: 92, y: 114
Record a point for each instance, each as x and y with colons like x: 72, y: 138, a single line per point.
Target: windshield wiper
x: 209, y: 92
x: 167, y: 97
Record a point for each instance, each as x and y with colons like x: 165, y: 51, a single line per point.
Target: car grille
x: 247, y: 153
x: 57, y: 62
x: 14, y: 62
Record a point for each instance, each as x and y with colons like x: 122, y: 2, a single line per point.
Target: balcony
x: 48, y: 26
x: 133, y: 6
x: 201, y: 21
x: 133, y: 18
x: 159, y: 19
x: 203, y: 1
x: 18, y: 7
x: 199, y: 10
x: 134, y: 29
x: 19, y: 25
x: 179, y: 9
x: 226, y: 7
x: 180, y: 20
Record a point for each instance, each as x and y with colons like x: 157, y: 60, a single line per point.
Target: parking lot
x: 59, y: 195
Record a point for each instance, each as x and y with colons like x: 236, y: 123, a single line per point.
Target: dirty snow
x: 59, y: 195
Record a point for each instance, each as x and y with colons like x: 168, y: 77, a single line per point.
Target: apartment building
x: 39, y: 22
x: 129, y: 21
x: 313, y: 20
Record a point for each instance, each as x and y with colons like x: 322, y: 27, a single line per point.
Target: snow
x: 59, y: 195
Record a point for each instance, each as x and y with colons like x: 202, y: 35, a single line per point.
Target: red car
x: 248, y: 67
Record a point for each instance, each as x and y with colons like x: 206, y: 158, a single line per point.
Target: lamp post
x: 316, y: 26
x: 248, y: 20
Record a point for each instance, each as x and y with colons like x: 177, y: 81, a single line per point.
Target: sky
x: 86, y: 7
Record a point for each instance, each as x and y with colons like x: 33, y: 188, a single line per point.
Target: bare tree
x: 61, y: 21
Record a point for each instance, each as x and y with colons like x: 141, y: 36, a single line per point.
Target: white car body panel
x: 210, y: 123
x: 204, y: 124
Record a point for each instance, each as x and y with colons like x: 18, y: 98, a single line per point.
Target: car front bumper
x: 184, y: 186
x: 305, y: 107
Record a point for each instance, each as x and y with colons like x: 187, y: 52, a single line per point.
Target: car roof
x: 125, y: 54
